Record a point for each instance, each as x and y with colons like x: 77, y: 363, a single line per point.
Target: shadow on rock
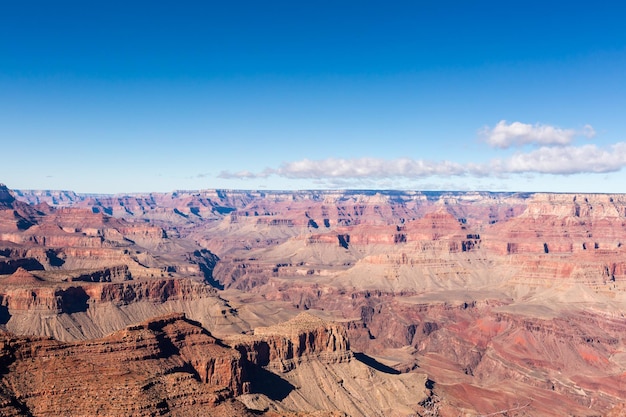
x: 373, y: 363
x: 5, y: 316
x: 273, y: 386
x: 74, y: 300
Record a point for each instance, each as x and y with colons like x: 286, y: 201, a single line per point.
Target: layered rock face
x: 71, y: 239
x: 171, y: 366
x: 62, y: 269
x: 168, y: 366
x: 84, y: 310
x: 491, y: 307
x: 282, y: 347
x: 482, y: 303
x: 24, y: 291
x: 570, y: 238
x: 318, y: 371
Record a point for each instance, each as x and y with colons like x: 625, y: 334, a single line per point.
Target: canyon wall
x: 482, y: 303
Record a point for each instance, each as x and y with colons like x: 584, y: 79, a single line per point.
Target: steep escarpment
x: 576, y: 238
x: 435, y: 251
x: 565, y: 223
x: 83, y: 310
x: 171, y: 366
x: 467, y: 303
x: 167, y: 366
x: 318, y: 371
x: 283, y: 346
x: 68, y: 239
x: 486, y: 355
x: 568, y: 238
x: 325, y: 208
x: 23, y: 291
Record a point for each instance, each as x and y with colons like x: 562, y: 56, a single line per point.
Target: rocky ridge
x: 281, y: 347
x: 171, y: 366
x: 504, y: 301
x: 163, y: 366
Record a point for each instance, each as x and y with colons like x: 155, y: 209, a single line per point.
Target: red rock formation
x: 72, y: 239
x: 22, y: 277
x: 22, y: 291
x: 283, y: 346
x: 501, y: 298
x: 164, y: 366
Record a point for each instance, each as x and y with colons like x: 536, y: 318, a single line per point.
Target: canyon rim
x: 292, y: 303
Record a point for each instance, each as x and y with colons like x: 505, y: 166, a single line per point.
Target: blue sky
x: 112, y: 97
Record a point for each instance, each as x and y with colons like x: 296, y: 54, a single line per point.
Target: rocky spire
x: 6, y: 197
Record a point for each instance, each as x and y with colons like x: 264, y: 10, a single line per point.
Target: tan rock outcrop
x: 282, y: 347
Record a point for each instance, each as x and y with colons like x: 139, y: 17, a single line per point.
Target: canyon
x: 326, y: 303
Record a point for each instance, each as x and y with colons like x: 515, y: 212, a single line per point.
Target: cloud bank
x: 368, y: 168
x: 553, y: 154
x: 568, y: 160
x: 515, y: 134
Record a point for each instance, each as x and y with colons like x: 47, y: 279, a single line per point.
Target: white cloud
x: 588, y: 131
x: 504, y: 135
x: 556, y: 160
x: 245, y: 174
x: 566, y: 160
x: 555, y: 156
x: 369, y: 168
x: 361, y: 168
